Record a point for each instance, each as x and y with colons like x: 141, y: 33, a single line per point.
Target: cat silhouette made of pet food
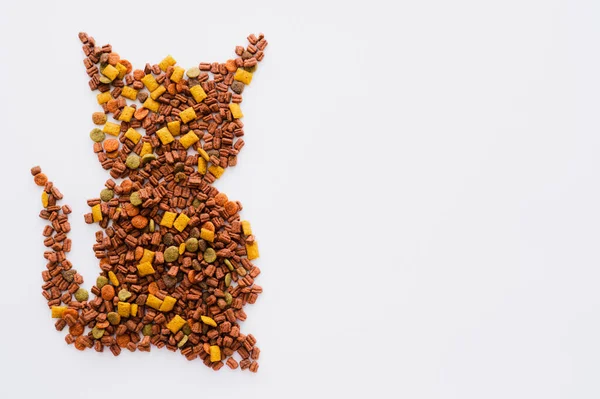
x: 175, y: 257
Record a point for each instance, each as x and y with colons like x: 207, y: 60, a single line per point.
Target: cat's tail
x: 66, y: 299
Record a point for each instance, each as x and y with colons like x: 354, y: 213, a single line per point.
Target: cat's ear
x: 102, y: 65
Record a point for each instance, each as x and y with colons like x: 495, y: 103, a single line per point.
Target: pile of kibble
x: 175, y: 257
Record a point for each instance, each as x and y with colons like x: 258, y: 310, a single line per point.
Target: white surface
x: 423, y: 183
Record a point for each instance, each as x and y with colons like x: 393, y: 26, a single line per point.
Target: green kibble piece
x: 183, y: 341
x: 151, y: 226
x: 227, y: 279
x: 241, y: 271
x: 107, y: 194
x: 196, y: 203
x: 147, y: 330
x: 124, y: 295
x: 187, y: 330
x: 104, y: 79
x: 133, y: 161
x: 191, y: 244
x: 97, y: 135
x: 171, y: 254
x: 135, y: 199
x: 193, y: 72
x: 228, y: 298
x: 195, y: 233
x: 81, y: 295
x: 229, y: 265
x: 101, y: 281
x: 148, y: 158
x: 210, y: 255
x: 97, y: 332
x: 113, y: 318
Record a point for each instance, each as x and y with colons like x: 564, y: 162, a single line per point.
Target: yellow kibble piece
x: 215, y: 353
x: 168, y: 304
x: 57, y: 311
x: 158, y: 92
x: 208, y: 320
x: 236, y: 111
x: 122, y: 70
x: 165, y: 136
x: 207, y: 235
x: 111, y: 128
x: 202, y: 166
x: 181, y: 222
x: 133, y: 135
x: 181, y: 248
x: 151, y: 104
x: 243, y: 76
x: 166, y: 62
x: 148, y: 256
x: 216, y: 171
x: 189, y: 139
x: 126, y: 113
x: 110, y: 72
x: 246, y: 229
x: 198, y: 93
x: 187, y: 115
x: 153, y: 302
x: 145, y: 268
x: 252, y: 250
x: 129, y: 92
x: 176, y: 324
x: 168, y: 219
x: 104, y: 97
x: 96, y: 213
x: 203, y: 154
x: 134, y: 309
x: 177, y: 74
x: 174, y: 127
x: 113, y: 279
x: 44, y: 199
x: 124, y: 309
x: 150, y: 83
x: 146, y: 149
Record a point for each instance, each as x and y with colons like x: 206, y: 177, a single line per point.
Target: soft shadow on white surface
x: 421, y: 178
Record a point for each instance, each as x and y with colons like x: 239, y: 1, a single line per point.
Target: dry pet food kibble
x: 175, y: 258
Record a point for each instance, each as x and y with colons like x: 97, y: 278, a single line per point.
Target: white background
x: 422, y: 179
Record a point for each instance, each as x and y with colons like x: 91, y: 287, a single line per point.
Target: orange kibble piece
x: 71, y: 312
x: 231, y: 66
x: 76, y: 329
x: 127, y: 65
x: 139, y: 252
x: 40, y: 179
x: 139, y: 222
x: 138, y: 74
x: 231, y: 207
x: 153, y: 288
x: 209, y: 226
x: 123, y: 340
x: 112, y: 106
x: 107, y: 292
x: 111, y: 145
x: 221, y: 199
